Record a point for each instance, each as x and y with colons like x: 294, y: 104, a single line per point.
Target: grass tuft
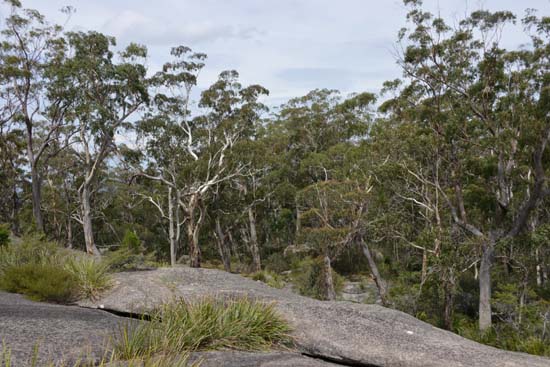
x: 40, y: 282
x: 206, y: 324
x: 91, y: 274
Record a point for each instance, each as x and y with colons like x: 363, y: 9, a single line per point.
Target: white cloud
x: 130, y: 25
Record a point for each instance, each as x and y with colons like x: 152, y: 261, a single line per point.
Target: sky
x: 288, y: 46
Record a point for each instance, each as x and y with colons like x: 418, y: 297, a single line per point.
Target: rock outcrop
x: 340, y: 332
x: 58, y: 332
x: 69, y: 334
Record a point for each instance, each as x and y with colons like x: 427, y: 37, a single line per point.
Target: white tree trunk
x: 85, y: 203
x: 254, y: 248
x: 485, y: 313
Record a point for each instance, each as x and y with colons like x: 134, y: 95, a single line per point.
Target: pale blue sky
x: 288, y: 46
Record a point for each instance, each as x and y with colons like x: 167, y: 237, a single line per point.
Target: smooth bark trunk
x: 85, y: 199
x: 448, y: 306
x: 485, y: 265
x: 193, y: 226
x: 172, y: 228
x: 330, y: 294
x: 254, y: 248
x: 223, y: 248
x: 381, y: 284
x: 36, y: 199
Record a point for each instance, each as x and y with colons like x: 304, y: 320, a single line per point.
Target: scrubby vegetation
x: 437, y: 188
x: 130, y: 255
x: 205, y: 324
x: 41, y: 282
x: 45, y: 271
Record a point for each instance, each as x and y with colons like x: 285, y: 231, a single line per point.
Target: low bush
x: 32, y: 249
x: 4, y: 235
x: 277, y: 263
x: 91, y: 274
x: 40, y: 282
x: 124, y: 259
x: 269, y: 278
x: 130, y: 255
x: 206, y: 324
x: 308, y: 278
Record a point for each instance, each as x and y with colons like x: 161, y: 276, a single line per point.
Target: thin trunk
x: 193, y: 226
x: 485, y: 284
x: 85, y: 198
x: 36, y: 199
x: 330, y: 294
x: 381, y: 284
x: 298, y: 218
x: 234, y: 247
x: 171, y: 227
x: 35, y: 178
x: 14, y: 220
x: 254, y: 248
x: 195, y: 252
x: 69, y: 232
x: 424, y: 273
x: 448, y: 303
x: 223, y: 249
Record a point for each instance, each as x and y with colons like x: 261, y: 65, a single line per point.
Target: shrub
x: 40, y: 282
x: 309, y: 279
x: 131, y: 241
x: 277, y: 263
x: 206, y: 324
x: 124, y: 259
x: 269, y: 278
x: 130, y: 255
x: 91, y: 274
x: 4, y: 235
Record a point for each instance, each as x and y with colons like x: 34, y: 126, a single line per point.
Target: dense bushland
x: 436, y: 189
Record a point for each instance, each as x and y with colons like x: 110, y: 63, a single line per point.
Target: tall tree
x: 484, y: 106
x: 104, y: 94
x: 25, y: 58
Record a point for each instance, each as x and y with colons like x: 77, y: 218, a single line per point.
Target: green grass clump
x: 45, y: 271
x: 269, y: 278
x: 40, y: 282
x: 206, y: 324
x: 91, y: 274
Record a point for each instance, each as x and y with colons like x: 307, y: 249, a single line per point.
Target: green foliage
x: 4, y: 235
x: 41, y: 282
x: 131, y: 242
x: 131, y: 255
x: 206, y: 324
x: 504, y: 337
x: 307, y: 275
x: 125, y: 259
x: 269, y: 278
x: 277, y: 263
x: 91, y: 275
x: 31, y: 249
x: 66, y: 272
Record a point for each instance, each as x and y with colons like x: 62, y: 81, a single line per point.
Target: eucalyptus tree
x: 188, y: 151
x: 170, y: 137
x: 485, y: 109
x: 26, y: 56
x: 230, y: 113
x: 103, y: 93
